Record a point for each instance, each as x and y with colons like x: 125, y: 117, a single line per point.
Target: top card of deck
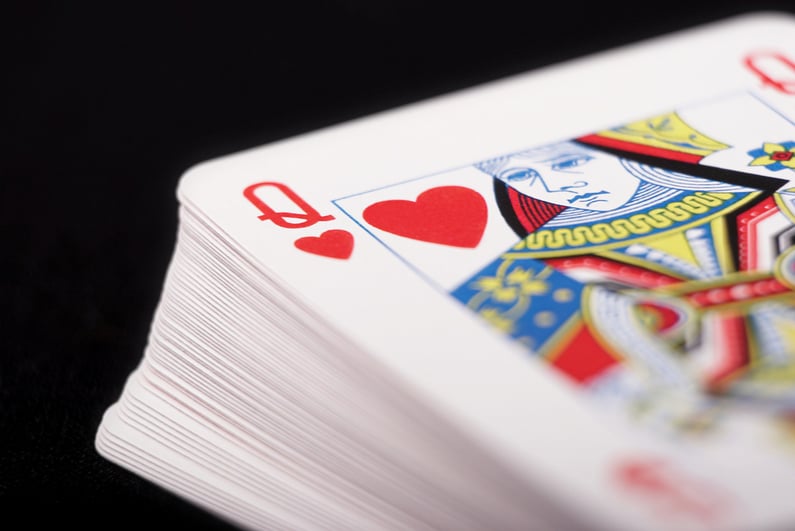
x: 599, y: 251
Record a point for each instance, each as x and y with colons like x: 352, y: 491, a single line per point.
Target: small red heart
x: 449, y: 215
x: 332, y: 243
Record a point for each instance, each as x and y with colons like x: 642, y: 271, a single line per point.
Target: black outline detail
x: 506, y: 209
x: 750, y: 180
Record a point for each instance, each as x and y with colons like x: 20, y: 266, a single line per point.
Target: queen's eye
x: 518, y: 174
x: 570, y: 162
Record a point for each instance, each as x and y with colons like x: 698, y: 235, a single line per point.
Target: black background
x: 104, y: 106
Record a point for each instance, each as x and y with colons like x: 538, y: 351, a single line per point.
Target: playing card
x: 582, y: 273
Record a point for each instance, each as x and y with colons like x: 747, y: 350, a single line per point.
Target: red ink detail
x: 753, y: 61
x: 583, y: 358
x: 646, y: 476
x: 448, y: 215
x: 616, y: 271
x: 632, y: 147
x: 782, y: 155
x: 741, y: 291
x: 332, y: 243
x: 731, y: 345
x: 674, y: 493
x: 748, y: 233
x: 531, y: 212
x: 309, y: 215
x: 665, y: 317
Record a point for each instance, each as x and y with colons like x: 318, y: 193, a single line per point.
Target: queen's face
x: 571, y: 175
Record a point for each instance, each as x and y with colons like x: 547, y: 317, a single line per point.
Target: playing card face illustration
x: 586, y: 275
x: 651, y: 262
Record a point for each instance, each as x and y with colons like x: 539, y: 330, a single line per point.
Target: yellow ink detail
x: 782, y: 266
x: 675, y: 244
x: 768, y: 376
x: 642, y: 263
x: 497, y: 320
x: 561, y: 338
x: 785, y: 428
x: 767, y: 159
x: 720, y: 239
x: 666, y: 131
x: 508, y: 286
x: 544, y: 319
x: 730, y: 279
x: 558, y: 242
x: 596, y: 332
x: 764, y: 372
x: 562, y: 295
x: 512, y: 287
x: 786, y: 209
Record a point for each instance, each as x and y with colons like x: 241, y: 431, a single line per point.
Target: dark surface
x: 104, y: 107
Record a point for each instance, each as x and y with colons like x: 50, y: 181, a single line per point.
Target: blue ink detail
x: 571, y: 161
x: 591, y: 197
x: 623, y: 213
x: 521, y: 174
x: 766, y: 104
x: 702, y: 244
x: 411, y: 266
x: 775, y: 166
x: 545, y: 300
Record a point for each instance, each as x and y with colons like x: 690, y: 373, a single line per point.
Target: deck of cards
x: 561, y: 300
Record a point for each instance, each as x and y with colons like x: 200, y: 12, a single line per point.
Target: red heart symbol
x: 450, y: 215
x: 332, y: 243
